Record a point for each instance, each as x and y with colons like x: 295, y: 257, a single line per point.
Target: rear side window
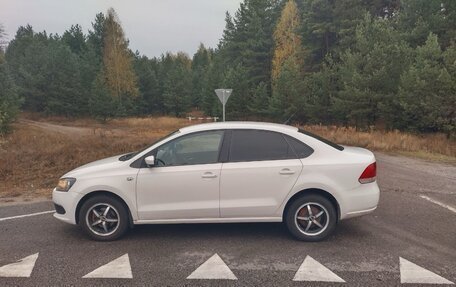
x: 257, y: 145
x: 301, y: 149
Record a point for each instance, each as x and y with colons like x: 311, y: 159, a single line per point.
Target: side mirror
x: 150, y: 160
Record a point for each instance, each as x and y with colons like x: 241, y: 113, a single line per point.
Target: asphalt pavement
x: 411, y: 237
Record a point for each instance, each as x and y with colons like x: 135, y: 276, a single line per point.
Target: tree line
x: 385, y: 63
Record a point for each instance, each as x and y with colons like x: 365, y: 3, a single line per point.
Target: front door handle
x: 287, y: 171
x: 209, y: 175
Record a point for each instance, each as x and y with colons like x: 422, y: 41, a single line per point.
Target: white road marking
x: 312, y: 270
x: 21, y: 268
x: 213, y: 268
x: 412, y: 273
x: 450, y: 208
x: 26, y: 215
x: 118, y: 268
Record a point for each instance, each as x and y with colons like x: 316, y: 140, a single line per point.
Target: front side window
x: 256, y: 145
x: 197, y: 148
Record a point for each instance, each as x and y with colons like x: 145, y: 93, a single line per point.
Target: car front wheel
x: 103, y: 218
x: 311, y: 218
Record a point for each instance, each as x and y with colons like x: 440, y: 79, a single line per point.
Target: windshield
x: 130, y: 155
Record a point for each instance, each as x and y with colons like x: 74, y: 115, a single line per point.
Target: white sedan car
x: 223, y: 172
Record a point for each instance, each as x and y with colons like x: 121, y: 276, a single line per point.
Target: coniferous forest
x: 389, y: 64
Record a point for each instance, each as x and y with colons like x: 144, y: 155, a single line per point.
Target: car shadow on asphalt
x: 264, y: 231
x: 346, y: 230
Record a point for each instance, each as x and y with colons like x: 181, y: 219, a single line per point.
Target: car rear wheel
x: 103, y: 218
x: 311, y: 218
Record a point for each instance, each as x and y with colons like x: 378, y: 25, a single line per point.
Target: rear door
x: 261, y: 169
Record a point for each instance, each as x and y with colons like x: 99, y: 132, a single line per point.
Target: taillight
x: 369, y: 174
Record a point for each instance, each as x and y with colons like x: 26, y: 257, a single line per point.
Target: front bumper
x: 68, y: 201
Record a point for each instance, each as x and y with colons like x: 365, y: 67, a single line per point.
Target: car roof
x: 239, y: 125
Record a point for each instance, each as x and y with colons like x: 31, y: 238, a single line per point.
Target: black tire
x: 317, y: 204
x: 117, y: 210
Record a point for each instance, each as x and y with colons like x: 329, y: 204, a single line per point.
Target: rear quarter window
x: 301, y: 149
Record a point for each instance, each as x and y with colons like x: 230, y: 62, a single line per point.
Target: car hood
x: 95, y: 166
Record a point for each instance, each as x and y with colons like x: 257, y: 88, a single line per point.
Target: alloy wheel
x: 311, y: 218
x: 103, y: 219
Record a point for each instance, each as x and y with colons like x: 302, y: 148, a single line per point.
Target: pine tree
x: 101, y: 104
x: 417, y: 18
x: 210, y: 103
x: 259, y: 104
x: 63, y: 81
x: 200, y: 68
x: 287, y: 97
x: 369, y: 74
x: 9, y: 99
x: 328, y: 26
x: 247, y: 41
x: 178, y: 85
x: 427, y: 91
x: 25, y: 56
x: 95, y: 36
x: 118, y: 67
x: 149, y: 100
x: 75, y: 39
x: 237, y: 78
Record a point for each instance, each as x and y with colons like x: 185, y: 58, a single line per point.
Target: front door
x: 184, y: 182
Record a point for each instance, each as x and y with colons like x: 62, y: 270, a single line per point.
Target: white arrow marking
x: 312, y: 270
x: 118, y: 268
x: 22, y: 268
x: 213, y: 268
x: 412, y: 273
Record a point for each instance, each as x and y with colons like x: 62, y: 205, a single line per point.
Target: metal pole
x: 223, y: 105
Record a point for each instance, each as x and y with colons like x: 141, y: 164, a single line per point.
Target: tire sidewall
x: 119, y: 206
x: 297, y: 203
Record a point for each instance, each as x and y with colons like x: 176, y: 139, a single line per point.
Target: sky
x: 152, y: 26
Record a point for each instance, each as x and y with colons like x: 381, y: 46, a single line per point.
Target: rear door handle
x: 286, y: 171
x: 209, y: 175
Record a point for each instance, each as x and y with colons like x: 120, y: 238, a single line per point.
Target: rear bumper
x: 359, y: 213
x: 360, y: 201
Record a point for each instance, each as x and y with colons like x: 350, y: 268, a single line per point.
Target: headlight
x: 65, y: 184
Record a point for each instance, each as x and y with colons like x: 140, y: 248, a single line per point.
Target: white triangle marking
x: 21, y: 268
x: 412, y: 273
x: 213, y: 268
x: 118, y: 268
x: 312, y: 270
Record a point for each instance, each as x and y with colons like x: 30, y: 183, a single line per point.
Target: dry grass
x: 34, y: 156
x: 431, y: 146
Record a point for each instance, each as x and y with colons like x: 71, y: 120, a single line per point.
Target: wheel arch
x: 106, y: 193
x: 316, y: 191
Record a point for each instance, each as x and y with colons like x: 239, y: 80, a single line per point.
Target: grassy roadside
x: 432, y: 147
x: 42, y: 149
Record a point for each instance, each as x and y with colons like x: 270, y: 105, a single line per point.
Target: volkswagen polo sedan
x: 222, y: 173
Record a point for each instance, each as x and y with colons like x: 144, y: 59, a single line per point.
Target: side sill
x: 209, y: 220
